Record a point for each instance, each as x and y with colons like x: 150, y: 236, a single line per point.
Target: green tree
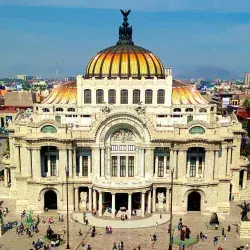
x: 246, y: 103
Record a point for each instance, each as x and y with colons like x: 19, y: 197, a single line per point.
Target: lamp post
x: 67, y: 198
x: 171, y: 212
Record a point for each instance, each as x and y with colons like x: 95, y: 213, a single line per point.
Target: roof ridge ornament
x: 125, y: 31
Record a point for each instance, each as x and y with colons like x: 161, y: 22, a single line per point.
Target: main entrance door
x: 50, y: 200
x: 194, y: 202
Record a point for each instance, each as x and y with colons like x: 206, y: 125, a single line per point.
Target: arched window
x: 71, y: 110
x: 45, y: 110
x: 203, y: 110
x: 112, y: 96
x: 148, y: 96
x: 177, y: 110
x: 124, y: 96
x: 87, y: 96
x: 59, y: 109
x: 189, y: 110
x: 48, y: 129
x: 161, y: 96
x: 99, y: 96
x: 136, y: 96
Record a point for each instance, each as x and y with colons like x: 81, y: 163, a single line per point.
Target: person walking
x: 223, y: 231
x: 228, y: 228
x: 225, y: 237
x: 156, y: 224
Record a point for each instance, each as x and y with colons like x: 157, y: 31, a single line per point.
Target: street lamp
x: 171, y: 212
x: 67, y: 197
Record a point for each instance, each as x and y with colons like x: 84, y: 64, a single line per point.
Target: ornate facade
x: 121, y: 129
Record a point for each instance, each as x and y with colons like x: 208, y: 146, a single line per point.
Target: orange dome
x: 124, y: 61
x: 64, y: 94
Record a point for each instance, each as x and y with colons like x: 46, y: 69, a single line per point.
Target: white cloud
x: 148, y: 5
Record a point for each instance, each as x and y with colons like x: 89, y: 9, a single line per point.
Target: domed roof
x: 181, y: 94
x: 125, y: 59
x: 63, y: 94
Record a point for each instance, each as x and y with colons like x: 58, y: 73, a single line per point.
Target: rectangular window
x: 200, y: 165
x: 45, y: 163
x: 160, y: 166
x: 114, y: 166
x: 122, y: 166
x: 192, y: 172
x: 85, y: 166
x: 53, y: 165
x: 131, y: 166
x: 114, y: 147
x: 131, y: 148
x: 77, y: 166
x: 122, y: 148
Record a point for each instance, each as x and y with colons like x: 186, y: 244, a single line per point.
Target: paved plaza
x: 131, y: 237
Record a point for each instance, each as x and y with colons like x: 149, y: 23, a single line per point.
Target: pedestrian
x: 80, y: 232
x: 30, y: 235
x: 225, y: 237
x: 223, y: 231
x: 156, y: 224
x: 191, y: 247
x: 64, y: 230
x: 216, y: 227
x: 228, y: 228
x: 201, y: 235
x: 139, y: 247
x: 160, y: 216
x: 205, y: 236
x: 150, y: 240
x: 247, y: 245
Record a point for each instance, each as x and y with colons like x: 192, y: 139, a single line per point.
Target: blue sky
x: 183, y: 33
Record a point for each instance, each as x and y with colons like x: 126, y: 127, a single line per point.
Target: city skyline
x: 38, y: 37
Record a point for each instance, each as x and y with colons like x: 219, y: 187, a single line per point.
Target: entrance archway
x: 194, y: 202
x: 50, y: 200
x: 121, y: 200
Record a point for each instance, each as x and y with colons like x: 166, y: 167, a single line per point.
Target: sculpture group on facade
x: 245, y: 209
x: 161, y: 198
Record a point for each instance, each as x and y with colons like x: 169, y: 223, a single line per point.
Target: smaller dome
x: 64, y: 94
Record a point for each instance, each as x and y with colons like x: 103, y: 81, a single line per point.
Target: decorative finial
x: 125, y: 31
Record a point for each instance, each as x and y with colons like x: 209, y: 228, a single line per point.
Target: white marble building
x: 120, y: 129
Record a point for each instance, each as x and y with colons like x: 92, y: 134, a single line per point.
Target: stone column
x: 89, y: 166
x: 167, y: 200
x: 244, y: 183
x: 80, y: 166
x: 137, y: 168
x: 94, y: 200
x: 129, y: 205
x: 70, y: 163
x: 209, y: 165
x: 182, y: 162
x: 118, y: 166
x: 76, y: 199
x: 154, y: 200
x: 113, y: 205
x: 90, y: 199
x: 108, y: 171
x: 228, y: 162
x: 216, y: 155
x: 175, y: 165
x: 149, y: 202
x: 49, y: 166
x: 165, y: 166
x: 142, y: 204
x: 5, y: 177
x: 102, y: 162
x: 156, y: 166
x: 142, y: 163
x: 100, y: 203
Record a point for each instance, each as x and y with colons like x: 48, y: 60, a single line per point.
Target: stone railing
x: 125, y: 184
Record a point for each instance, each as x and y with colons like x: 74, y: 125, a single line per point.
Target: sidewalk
x: 142, y: 223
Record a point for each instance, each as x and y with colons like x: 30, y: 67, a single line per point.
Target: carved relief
x: 141, y: 110
x: 105, y: 109
x: 123, y: 135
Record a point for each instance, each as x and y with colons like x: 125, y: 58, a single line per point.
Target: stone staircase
x: 245, y: 193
